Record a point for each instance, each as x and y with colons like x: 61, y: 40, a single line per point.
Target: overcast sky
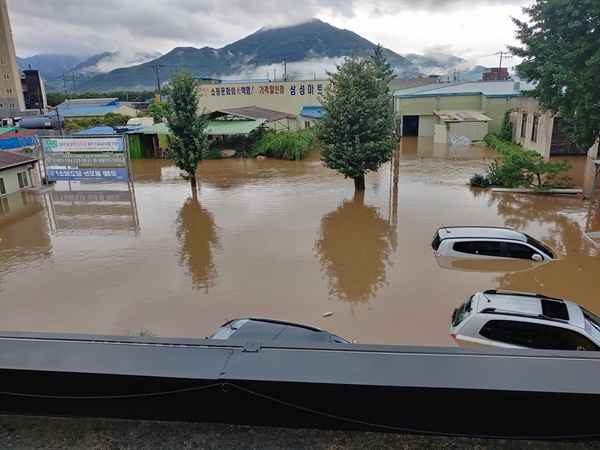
x: 475, y: 30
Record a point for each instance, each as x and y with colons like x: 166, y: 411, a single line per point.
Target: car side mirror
x: 536, y: 257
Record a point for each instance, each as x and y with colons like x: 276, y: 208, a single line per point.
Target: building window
x: 1, y: 46
x: 8, y: 90
x: 3, y: 62
x: 1, y: 105
x: 12, y: 105
x: 23, y: 180
x: 2, y: 187
x: 7, y: 76
x: 5, y: 206
x: 523, y: 125
x: 534, y: 129
x: 306, y: 124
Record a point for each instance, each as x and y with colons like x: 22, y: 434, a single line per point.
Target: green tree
x: 357, y: 127
x: 561, y: 52
x: 114, y: 119
x: 158, y: 111
x: 188, y: 140
x: 379, y: 61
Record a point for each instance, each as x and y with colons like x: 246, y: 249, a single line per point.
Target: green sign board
x: 85, y: 159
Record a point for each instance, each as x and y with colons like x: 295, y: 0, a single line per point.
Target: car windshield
x: 592, y: 324
x: 461, y: 312
x: 540, y: 246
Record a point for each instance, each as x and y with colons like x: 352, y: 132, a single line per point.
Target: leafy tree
x: 158, y: 111
x: 378, y: 60
x: 357, y: 127
x: 188, y: 140
x: 114, y: 119
x: 561, y: 51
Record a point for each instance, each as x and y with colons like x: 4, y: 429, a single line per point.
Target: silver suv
x: 523, y: 320
x: 488, y: 242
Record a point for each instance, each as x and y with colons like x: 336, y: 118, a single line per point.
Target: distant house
x: 309, y: 115
x: 16, y: 173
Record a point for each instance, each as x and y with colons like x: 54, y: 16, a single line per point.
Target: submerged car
x: 509, y: 319
x: 260, y: 329
x: 488, y: 242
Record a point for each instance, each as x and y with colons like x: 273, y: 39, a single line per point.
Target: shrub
x: 518, y: 168
x: 292, y: 146
x: 479, y: 180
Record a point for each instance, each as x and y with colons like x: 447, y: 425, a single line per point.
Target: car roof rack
x: 521, y: 294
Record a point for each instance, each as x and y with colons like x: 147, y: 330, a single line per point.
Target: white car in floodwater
x: 509, y: 319
x: 488, y: 243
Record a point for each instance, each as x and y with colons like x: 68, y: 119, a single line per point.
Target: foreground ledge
x: 533, y: 191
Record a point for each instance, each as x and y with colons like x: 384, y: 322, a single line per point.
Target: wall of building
x: 11, y: 181
x: 495, y: 108
x: 523, y: 130
x: 12, y: 101
x: 285, y: 96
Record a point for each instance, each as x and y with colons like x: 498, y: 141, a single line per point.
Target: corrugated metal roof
x: 89, y: 102
x: 96, y: 131
x: 8, y: 130
x: 487, y: 88
x: 253, y: 112
x: 89, y: 111
x: 314, y: 112
x: 10, y: 159
x: 105, y: 130
x: 225, y: 127
x: 461, y: 115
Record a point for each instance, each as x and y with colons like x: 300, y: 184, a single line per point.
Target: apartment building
x: 12, y: 101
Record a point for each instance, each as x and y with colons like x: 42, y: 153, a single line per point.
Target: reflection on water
x: 286, y: 240
x: 354, y: 247
x: 199, y: 239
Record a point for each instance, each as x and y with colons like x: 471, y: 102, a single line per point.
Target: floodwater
x: 281, y: 239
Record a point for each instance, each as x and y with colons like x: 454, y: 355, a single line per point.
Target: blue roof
x: 86, y: 111
x: 105, y: 130
x: 314, y: 112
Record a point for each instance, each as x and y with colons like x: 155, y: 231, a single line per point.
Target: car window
x: 436, y: 241
x: 486, y: 248
x: 461, y: 312
x: 512, y: 332
x: 592, y: 323
x: 540, y: 246
x: 564, y: 339
x: 519, y: 251
x: 462, y: 247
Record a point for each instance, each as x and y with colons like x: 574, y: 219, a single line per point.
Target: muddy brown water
x: 286, y: 240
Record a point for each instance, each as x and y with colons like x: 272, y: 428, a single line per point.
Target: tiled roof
x: 10, y: 159
x: 314, y: 112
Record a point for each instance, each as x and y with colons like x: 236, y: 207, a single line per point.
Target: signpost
x: 91, y: 160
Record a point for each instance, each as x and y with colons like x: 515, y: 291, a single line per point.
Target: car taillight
x: 453, y: 335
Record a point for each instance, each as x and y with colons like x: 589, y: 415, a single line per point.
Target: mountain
x: 72, y: 79
x: 457, y: 69
x: 51, y: 66
x: 300, y: 52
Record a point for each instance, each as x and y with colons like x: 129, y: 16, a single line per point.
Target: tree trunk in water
x: 193, y: 181
x: 359, y: 182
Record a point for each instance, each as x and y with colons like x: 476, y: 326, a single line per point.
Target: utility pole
x: 502, y: 57
x: 157, y: 67
x: 284, y: 69
x: 65, y: 85
x: 74, y: 90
